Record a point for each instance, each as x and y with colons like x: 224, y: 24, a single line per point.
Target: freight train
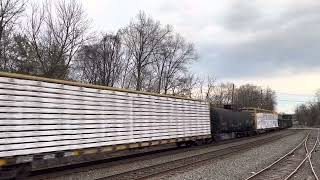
x: 45, y: 119
x: 285, y: 121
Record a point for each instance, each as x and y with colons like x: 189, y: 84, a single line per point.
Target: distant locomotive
x: 43, y: 119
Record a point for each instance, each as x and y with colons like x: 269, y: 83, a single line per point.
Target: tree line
x: 309, y: 113
x: 53, y: 39
x: 144, y: 55
x: 247, y: 95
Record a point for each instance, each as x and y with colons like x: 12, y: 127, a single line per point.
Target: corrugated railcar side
x: 43, y: 117
x: 264, y: 119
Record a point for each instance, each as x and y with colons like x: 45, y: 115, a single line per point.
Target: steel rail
x: 99, y: 164
x: 280, y: 159
x: 308, y: 156
x: 310, y: 162
x: 156, y: 170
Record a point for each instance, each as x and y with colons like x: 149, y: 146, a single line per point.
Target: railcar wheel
x: 179, y: 144
x: 189, y: 143
x: 23, y: 172
x: 15, y: 172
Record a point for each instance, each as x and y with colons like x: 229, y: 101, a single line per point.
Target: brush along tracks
x: 291, y: 163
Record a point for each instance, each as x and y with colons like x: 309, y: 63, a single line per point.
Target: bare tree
x: 204, y: 90
x: 127, y: 79
x: 184, y: 85
x: 142, y: 37
x: 221, y: 94
x: 143, y: 56
x: 254, y: 96
x: 102, y: 62
x: 57, y: 31
x: 211, y: 84
x: 200, y: 89
x: 171, y: 59
x: 10, y: 11
x: 301, y: 114
x: 23, y: 56
x: 309, y: 113
x: 268, y: 99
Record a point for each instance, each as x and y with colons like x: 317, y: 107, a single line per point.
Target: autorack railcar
x: 44, y: 119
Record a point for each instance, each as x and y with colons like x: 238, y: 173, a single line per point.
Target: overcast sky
x: 272, y: 43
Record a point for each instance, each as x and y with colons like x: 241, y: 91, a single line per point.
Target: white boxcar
x: 266, y: 121
x: 39, y: 115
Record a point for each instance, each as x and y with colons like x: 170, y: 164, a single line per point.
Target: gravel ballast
x: 240, y: 165
x: 305, y: 171
x: 316, y: 159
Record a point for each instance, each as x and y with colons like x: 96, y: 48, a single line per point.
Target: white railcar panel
x: 90, y: 92
x: 72, y: 94
x: 103, y: 101
x: 70, y: 147
x: 12, y: 116
x: 47, y: 141
x: 105, y: 135
x: 140, y: 122
x: 38, y: 117
x: 266, y: 120
x: 18, y: 134
x: 24, y: 102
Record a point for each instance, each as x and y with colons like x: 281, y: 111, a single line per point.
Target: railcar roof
x: 79, y: 84
x: 258, y: 110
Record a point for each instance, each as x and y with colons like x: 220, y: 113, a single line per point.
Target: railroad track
x: 67, y: 170
x: 310, y: 156
x: 188, y: 162
x: 291, y: 163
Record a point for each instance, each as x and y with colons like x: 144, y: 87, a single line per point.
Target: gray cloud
x: 242, y: 15
x: 235, y: 38
x: 289, y: 41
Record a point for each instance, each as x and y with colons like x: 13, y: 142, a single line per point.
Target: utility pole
x: 232, y: 98
x: 261, y: 98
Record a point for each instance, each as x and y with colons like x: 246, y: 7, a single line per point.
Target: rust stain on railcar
x: 2, y: 162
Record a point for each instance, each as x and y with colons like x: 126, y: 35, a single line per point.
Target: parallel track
x: 98, y: 164
x: 188, y: 162
x: 308, y: 157
x: 160, y: 168
x: 264, y: 174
